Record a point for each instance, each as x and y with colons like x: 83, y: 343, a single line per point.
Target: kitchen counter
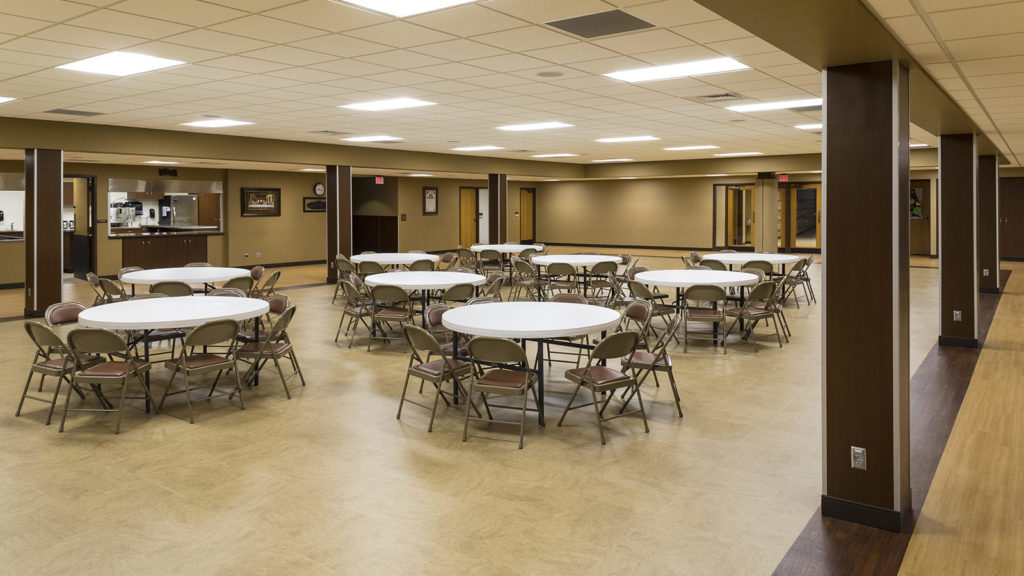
x: 150, y: 230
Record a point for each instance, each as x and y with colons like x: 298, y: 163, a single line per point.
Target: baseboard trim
x: 285, y: 264
x: 891, y: 520
x: 12, y: 285
x: 959, y: 342
x: 990, y: 290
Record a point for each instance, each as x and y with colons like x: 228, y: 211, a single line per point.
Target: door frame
x: 533, y: 218
x: 476, y: 214
x: 788, y: 189
x: 90, y: 192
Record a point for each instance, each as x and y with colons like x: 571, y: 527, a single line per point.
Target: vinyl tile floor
x: 330, y: 482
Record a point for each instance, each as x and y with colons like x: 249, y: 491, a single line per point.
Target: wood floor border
x: 832, y: 546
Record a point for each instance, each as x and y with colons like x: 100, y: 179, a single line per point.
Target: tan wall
x: 295, y: 236
x: 430, y: 233
x: 12, y: 255
x: 661, y: 212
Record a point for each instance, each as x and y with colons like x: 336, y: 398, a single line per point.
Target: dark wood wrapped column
x: 339, y: 216
x: 865, y: 245
x: 497, y: 207
x: 958, y: 248
x: 44, y: 238
x: 988, y: 224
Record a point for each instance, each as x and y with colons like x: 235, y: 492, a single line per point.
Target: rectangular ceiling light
x: 477, y: 148
x: 628, y: 139
x: 613, y: 160
x: 681, y: 70
x: 121, y: 64
x: 217, y: 123
x: 558, y: 155
x: 5, y: 99
x: 311, y: 170
x: 160, y: 162
x: 918, y: 145
x: 762, y: 106
x: 389, y: 104
x: 374, y: 138
x: 403, y: 8
x: 534, y: 126
x: 422, y: 175
x: 741, y: 154
x: 809, y: 126
x: 685, y: 148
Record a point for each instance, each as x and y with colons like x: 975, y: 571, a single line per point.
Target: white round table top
x: 687, y: 278
x: 504, y: 248
x: 574, y: 259
x: 188, y: 275
x: 530, y: 319
x: 176, y: 312
x: 394, y: 258
x: 744, y: 257
x: 424, y: 280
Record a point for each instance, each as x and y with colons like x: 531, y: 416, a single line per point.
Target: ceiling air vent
x: 805, y: 109
x: 329, y: 132
x: 68, y: 112
x: 719, y: 97
x: 601, y: 24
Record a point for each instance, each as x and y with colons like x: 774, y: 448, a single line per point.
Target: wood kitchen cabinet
x: 140, y: 196
x: 163, y: 251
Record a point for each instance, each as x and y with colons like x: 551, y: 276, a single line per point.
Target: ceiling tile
x: 977, y: 22
x: 538, y: 12
x: 458, y: 49
x: 575, y: 52
x: 18, y: 26
x: 527, y: 38
x: 52, y: 10
x: 177, y: 51
x: 216, y: 41
x: 1008, y: 65
x: 49, y: 48
x: 989, y: 47
x: 251, y: 6
x: 341, y: 45
x: 461, y: 20
x: 714, y: 31
x: 267, y: 29
x: 304, y: 75
x: 401, y: 59
x: 910, y: 29
x: 643, y: 41
x: 289, y: 55
x: 347, y: 67
x: 507, y: 63
x: 927, y: 53
x: 243, y: 64
x: 327, y: 15
x: 400, y: 34
x: 891, y: 8
x: 191, y: 12
x: 743, y: 47
x: 87, y: 37
x: 452, y: 70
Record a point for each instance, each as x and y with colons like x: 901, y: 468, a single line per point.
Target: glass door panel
x: 805, y: 215
x: 739, y: 222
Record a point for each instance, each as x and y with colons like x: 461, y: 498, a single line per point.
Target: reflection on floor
x: 330, y: 483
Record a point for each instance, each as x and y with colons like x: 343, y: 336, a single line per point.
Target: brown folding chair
x: 191, y: 362
x: 52, y: 359
x: 275, y: 347
x: 171, y: 288
x: 500, y: 367
x: 443, y: 369
x: 642, y: 363
x: 356, y: 309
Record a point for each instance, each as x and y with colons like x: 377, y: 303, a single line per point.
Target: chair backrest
x: 762, y: 265
x: 343, y: 265
x: 421, y: 340
x: 172, y: 288
x: 93, y: 279
x: 755, y: 271
x: 638, y: 311
x: 490, y: 255
x: 368, y: 252
x: 616, y: 345
x: 638, y: 290
x: 256, y: 273
x: 149, y: 295
x: 467, y: 257
x: 214, y: 332
x: 494, y: 288
x: 569, y: 298
x: 700, y: 267
x: 243, y: 283
x: 492, y: 277
x: 63, y: 313
x: 449, y: 259
x: 560, y: 269
x: 482, y: 300
x: 661, y: 345
x: 125, y: 270
x: 45, y: 339
x: 392, y: 295
x: 632, y: 272
x: 762, y: 292
x: 227, y: 291
x: 524, y: 268
x: 112, y: 290
x: 705, y: 293
x: 604, y: 268
x: 352, y: 294
x: 421, y: 266
x: 367, y: 268
x: 95, y: 341
x: 497, y: 350
x: 458, y: 293
x: 198, y: 265
x: 417, y: 251
x: 434, y: 312
x: 280, y: 326
x: 526, y: 253
x: 713, y: 264
x: 279, y: 303
x: 271, y: 281
x: 625, y: 259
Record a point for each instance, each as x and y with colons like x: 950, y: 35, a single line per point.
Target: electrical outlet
x: 246, y: 255
x: 258, y: 253
x: 858, y: 458
x: 984, y: 272
x: 957, y: 316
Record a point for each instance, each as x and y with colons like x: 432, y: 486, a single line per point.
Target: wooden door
x: 209, y: 209
x: 920, y: 217
x: 1011, y: 218
x: 805, y: 215
x: 468, y: 232
x: 527, y: 226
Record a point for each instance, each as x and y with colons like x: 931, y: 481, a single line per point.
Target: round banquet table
x: 741, y: 258
x: 424, y: 282
x: 581, y: 260
x: 687, y: 278
x: 537, y: 321
x: 504, y: 248
x: 186, y: 274
x: 394, y: 258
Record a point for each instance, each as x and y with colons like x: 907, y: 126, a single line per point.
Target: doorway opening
x: 78, y: 217
x: 527, y: 208
x: 469, y: 216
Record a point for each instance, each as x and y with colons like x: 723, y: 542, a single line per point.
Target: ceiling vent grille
x: 600, y: 24
x: 329, y: 132
x: 68, y: 112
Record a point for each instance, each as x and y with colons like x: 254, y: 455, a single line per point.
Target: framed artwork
x: 916, y: 207
x: 314, y: 204
x: 429, y: 200
x: 261, y: 201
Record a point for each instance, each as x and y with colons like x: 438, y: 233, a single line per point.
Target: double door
x: 797, y: 217
x: 1011, y: 218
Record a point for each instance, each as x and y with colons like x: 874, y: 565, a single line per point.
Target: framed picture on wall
x: 314, y: 204
x: 261, y: 201
x: 429, y: 200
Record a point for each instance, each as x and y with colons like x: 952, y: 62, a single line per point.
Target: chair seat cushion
x: 113, y: 369
x: 196, y: 361
x: 253, y: 348
x: 502, y: 378
x: 600, y: 376
x: 433, y: 368
x: 391, y: 313
x: 58, y: 363
x: 643, y: 359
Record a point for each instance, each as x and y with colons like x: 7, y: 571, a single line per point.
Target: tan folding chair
x: 275, y: 347
x: 642, y: 363
x: 111, y: 291
x: 458, y: 293
x: 604, y: 380
x: 356, y: 309
x: 243, y: 283
x: 421, y: 266
x: 171, y: 288
x: 758, y: 306
x: 344, y: 267
x: 603, y: 281
x: 500, y: 367
x: 715, y: 316
x: 52, y: 358
x: 192, y: 363
x: 714, y: 264
x: 443, y: 369
x: 94, y: 283
x: 575, y: 349
x: 267, y: 289
x: 63, y: 313
x: 490, y: 261
x: 559, y: 277
x: 198, y: 265
x: 389, y: 305
x: 87, y: 343
x: 448, y: 260
x: 229, y: 292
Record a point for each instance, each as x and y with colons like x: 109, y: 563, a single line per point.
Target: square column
x: 44, y: 240
x: 988, y: 224
x: 958, y: 240
x: 339, y: 216
x: 865, y: 254
x: 497, y: 207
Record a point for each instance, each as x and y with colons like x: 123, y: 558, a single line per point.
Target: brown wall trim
x: 961, y: 342
x: 990, y: 291
x: 866, y: 514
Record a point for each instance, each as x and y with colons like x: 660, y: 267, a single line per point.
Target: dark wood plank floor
x: 828, y: 546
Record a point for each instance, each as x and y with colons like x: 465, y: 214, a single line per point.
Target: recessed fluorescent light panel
x: 121, y: 64
x: 558, y: 155
x: 681, y: 70
x: 311, y: 170
x: 422, y: 175
x: 534, y: 126
x: 614, y: 160
x: 627, y: 177
x: 741, y: 154
x: 762, y: 106
x: 715, y: 175
x: 628, y: 139
x: 552, y: 180
x: 403, y: 8
x: 374, y: 138
x: 809, y: 126
x: 918, y: 145
x: 160, y: 162
x: 216, y: 123
x: 389, y: 104
x: 5, y: 99
x: 477, y: 148
x: 687, y: 148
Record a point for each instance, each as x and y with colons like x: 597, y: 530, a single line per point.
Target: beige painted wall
x: 12, y: 255
x: 430, y: 233
x: 662, y: 212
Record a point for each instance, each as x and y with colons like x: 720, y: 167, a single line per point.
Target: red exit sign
x: 783, y: 177
x: 378, y: 180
